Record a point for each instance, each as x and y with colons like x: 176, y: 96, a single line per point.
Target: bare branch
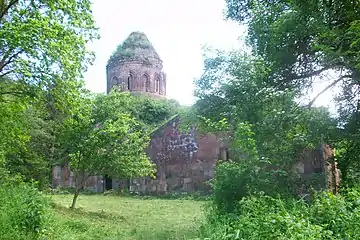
x: 327, y: 88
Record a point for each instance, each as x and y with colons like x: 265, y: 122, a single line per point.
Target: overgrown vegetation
x: 135, y: 47
x: 291, y: 43
x: 264, y: 217
x: 25, y: 212
x: 47, y: 118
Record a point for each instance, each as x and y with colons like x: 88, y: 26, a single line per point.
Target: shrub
x: 236, y: 180
x: 249, y: 173
x: 23, y: 212
x: 265, y: 217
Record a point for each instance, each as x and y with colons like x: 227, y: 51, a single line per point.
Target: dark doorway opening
x: 224, y: 154
x: 108, y: 182
x: 227, y: 155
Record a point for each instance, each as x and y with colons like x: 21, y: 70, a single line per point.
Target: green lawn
x: 111, y: 217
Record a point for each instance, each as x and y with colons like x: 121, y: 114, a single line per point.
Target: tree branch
x: 2, y: 75
x: 4, y: 62
x: 309, y: 74
x: 17, y: 93
x: 5, y: 9
x: 327, y: 88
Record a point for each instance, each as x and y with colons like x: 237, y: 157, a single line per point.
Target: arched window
x: 157, y: 84
x: 115, y: 80
x: 146, y: 81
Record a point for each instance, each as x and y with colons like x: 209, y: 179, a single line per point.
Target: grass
x: 114, y: 217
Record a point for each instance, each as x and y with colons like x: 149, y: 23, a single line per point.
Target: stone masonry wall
x: 317, y: 168
x: 137, y: 77
x: 185, y: 161
x: 63, y: 177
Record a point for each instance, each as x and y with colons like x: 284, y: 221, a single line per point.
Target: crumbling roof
x: 136, y: 47
x: 164, y: 124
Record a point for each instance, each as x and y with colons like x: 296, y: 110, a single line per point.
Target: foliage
x: 43, y: 57
x: 348, y: 147
x: 104, y: 139
x: 261, y: 216
x: 33, y: 161
x: 248, y: 173
x: 12, y: 124
x: 268, y: 128
x: 44, y: 42
x: 24, y: 212
x: 155, y: 111
x: 151, y: 112
x: 299, y: 40
x: 237, y: 91
x: 20, y: 142
x: 29, y: 142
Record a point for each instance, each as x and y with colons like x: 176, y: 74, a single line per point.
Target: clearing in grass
x: 130, y: 218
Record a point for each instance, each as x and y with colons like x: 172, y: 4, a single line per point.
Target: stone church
x: 185, y: 161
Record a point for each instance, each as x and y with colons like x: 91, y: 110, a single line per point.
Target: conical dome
x: 136, y: 47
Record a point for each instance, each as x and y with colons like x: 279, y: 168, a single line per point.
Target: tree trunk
x: 80, y: 180
x: 77, y: 192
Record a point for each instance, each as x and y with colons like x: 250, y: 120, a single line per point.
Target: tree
x: 268, y: 128
x: 103, y: 139
x: 43, y: 42
x: 42, y: 58
x: 233, y: 87
x: 13, y: 128
x: 301, y: 40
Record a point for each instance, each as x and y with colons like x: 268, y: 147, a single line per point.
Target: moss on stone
x: 136, y: 47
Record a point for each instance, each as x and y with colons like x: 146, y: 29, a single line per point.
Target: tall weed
x: 264, y: 217
x: 23, y: 212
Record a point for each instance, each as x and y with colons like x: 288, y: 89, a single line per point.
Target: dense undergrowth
x: 25, y: 213
x: 264, y: 217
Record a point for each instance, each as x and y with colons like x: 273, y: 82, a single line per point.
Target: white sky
x: 177, y: 29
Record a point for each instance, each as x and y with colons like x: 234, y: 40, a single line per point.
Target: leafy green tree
x: 33, y: 161
x: 12, y: 125
x: 44, y: 42
x: 42, y: 58
x: 268, y: 128
x: 233, y: 87
x: 103, y: 139
x: 302, y: 41
x: 151, y: 112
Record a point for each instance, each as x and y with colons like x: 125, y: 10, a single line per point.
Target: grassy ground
x: 111, y: 217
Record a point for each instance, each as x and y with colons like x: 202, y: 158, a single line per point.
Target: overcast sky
x: 177, y: 29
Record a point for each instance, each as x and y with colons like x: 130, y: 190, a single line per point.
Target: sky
x: 178, y: 31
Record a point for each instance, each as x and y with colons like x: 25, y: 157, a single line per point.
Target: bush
x: 236, y: 180
x: 249, y: 173
x: 23, y: 212
x: 264, y: 217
